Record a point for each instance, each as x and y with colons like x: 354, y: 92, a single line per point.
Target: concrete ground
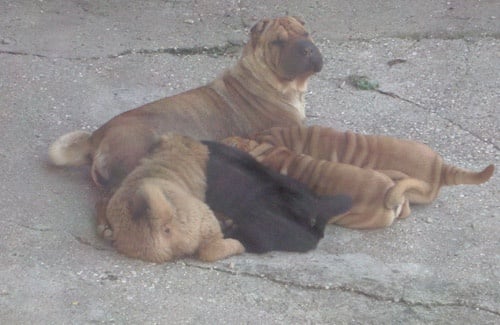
x: 73, y: 64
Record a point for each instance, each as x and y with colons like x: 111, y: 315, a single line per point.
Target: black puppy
x: 269, y: 211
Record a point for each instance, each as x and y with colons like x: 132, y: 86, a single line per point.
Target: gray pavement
x: 68, y: 65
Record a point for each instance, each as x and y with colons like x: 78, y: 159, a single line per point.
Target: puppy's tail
x: 397, y: 194
x: 452, y: 175
x: 71, y: 149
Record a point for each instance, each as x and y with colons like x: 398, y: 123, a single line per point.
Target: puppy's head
x: 311, y: 211
x: 143, y: 226
x: 285, y: 47
x: 327, y: 207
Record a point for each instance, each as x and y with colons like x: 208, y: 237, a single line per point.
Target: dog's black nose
x: 310, y: 51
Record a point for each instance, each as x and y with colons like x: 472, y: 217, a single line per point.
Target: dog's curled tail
x: 71, y: 149
x: 397, y: 194
x: 452, y: 175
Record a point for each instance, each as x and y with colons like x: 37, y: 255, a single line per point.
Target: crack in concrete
x: 232, y: 47
x: 222, y: 50
x: 375, y: 87
x: 81, y: 240
x: 227, y: 49
x: 34, y: 228
x: 24, y: 54
x: 477, y: 136
x: 343, y: 288
x: 85, y: 241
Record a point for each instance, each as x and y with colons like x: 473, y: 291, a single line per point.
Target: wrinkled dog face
x: 286, y: 47
x: 145, y: 227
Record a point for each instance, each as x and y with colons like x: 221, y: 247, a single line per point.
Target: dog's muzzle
x: 312, y: 53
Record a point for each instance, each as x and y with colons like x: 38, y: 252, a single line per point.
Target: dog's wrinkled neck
x: 258, y: 78
x: 262, y: 95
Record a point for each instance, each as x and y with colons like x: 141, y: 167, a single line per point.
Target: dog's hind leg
x: 120, y: 152
x: 361, y: 218
x: 395, y: 175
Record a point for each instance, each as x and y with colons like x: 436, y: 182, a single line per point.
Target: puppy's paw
x: 398, y: 209
x: 403, y: 210
x: 103, y: 227
x: 105, y: 231
x: 219, y: 249
x: 234, y: 246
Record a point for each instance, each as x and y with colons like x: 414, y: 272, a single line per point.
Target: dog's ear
x: 151, y: 196
x: 259, y: 27
x: 330, y: 206
x: 300, y: 20
x: 257, y: 30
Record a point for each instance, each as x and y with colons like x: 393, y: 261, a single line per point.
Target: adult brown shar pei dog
x: 265, y: 88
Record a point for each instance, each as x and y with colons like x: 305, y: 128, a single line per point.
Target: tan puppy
x: 377, y: 200
x: 158, y: 212
x: 394, y: 157
x: 382, y: 174
x: 265, y: 88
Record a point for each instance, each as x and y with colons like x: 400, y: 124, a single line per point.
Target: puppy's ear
x: 151, y: 196
x: 137, y: 205
x: 330, y: 206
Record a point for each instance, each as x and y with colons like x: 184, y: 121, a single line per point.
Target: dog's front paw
x: 105, y: 231
x: 220, y: 249
x: 103, y: 227
x: 234, y: 246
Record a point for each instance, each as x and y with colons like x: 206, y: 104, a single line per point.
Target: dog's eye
x: 167, y: 230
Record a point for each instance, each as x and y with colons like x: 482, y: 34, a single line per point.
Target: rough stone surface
x: 74, y: 64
